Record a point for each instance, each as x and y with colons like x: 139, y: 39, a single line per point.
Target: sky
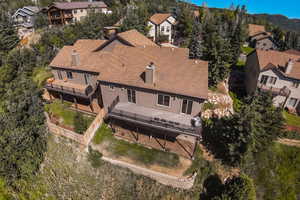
x: 289, y: 8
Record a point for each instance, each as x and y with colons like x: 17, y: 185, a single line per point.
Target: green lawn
x: 134, y: 151
x: 247, y: 50
x: 64, y: 113
x: 292, y: 120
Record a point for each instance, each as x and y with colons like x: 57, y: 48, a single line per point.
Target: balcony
x: 68, y: 15
x: 84, y: 91
x: 284, y: 91
x: 153, y: 118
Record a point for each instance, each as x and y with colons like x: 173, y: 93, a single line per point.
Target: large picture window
x: 131, y: 96
x: 187, y: 106
x: 163, y: 100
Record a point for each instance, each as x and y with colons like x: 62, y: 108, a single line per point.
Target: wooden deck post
x: 75, y: 101
x: 195, y: 147
x: 61, y: 97
x: 165, y: 142
x: 137, y: 134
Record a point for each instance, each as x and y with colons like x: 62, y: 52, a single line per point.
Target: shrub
x: 208, y: 106
x: 94, y: 158
x: 80, y: 123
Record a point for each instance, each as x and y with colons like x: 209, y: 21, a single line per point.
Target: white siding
x: 280, y: 83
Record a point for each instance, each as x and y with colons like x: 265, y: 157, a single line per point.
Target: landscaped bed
x: 61, y: 114
x: 134, y: 151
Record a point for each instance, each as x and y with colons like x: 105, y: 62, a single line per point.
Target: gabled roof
x: 255, y: 29
x: 279, y: 59
x: 159, y: 18
x: 78, y: 5
x: 125, y: 64
x: 27, y: 10
x: 135, y: 38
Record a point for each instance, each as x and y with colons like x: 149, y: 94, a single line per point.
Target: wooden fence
x: 83, y: 139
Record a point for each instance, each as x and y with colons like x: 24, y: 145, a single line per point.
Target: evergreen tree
x: 196, y: 46
x: 8, y: 33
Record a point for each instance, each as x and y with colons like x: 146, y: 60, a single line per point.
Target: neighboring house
x: 278, y: 72
x: 162, y: 27
x: 135, y: 81
x: 61, y: 13
x: 26, y: 16
x: 259, y: 38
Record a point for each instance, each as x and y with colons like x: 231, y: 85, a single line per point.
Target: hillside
x: 281, y: 21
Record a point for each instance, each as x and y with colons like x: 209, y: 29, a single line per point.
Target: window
x: 75, y: 11
x: 131, y: 96
x: 264, y: 79
x: 163, y: 100
x: 187, y: 106
x: 272, y: 80
x: 87, y: 78
x: 69, y: 75
x: 168, y: 29
x: 162, y: 29
x: 292, y: 102
x: 81, y: 10
x: 59, y: 75
x: 296, y: 84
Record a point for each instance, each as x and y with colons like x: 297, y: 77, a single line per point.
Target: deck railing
x: 157, y: 122
x: 69, y: 90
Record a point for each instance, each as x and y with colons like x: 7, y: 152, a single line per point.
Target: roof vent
x: 289, y: 66
x: 150, y: 73
x: 75, y: 58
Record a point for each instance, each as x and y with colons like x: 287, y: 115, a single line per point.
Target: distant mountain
x: 281, y: 21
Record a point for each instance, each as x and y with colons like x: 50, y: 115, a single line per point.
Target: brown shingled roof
x: 293, y: 51
x: 79, y: 5
x: 255, y: 29
x: 159, y: 18
x: 124, y: 64
x: 135, y: 38
x: 279, y: 59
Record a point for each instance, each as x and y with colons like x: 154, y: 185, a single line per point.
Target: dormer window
x: 69, y: 75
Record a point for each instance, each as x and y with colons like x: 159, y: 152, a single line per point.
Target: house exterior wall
x: 78, y: 77
x: 252, y: 70
x: 156, y: 30
x: 146, y: 98
x: 254, y: 76
x: 152, y: 30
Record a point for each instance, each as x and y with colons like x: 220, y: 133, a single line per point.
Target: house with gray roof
x: 25, y: 17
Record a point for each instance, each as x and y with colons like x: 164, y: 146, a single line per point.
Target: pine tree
x: 196, y: 46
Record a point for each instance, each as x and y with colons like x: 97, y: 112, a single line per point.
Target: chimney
x: 150, y: 73
x: 289, y: 66
x: 75, y: 58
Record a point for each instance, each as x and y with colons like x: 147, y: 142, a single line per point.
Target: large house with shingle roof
x: 25, y: 17
x: 61, y: 13
x: 278, y: 72
x: 259, y: 38
x: 135, y: 81
x: 162, y: 27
